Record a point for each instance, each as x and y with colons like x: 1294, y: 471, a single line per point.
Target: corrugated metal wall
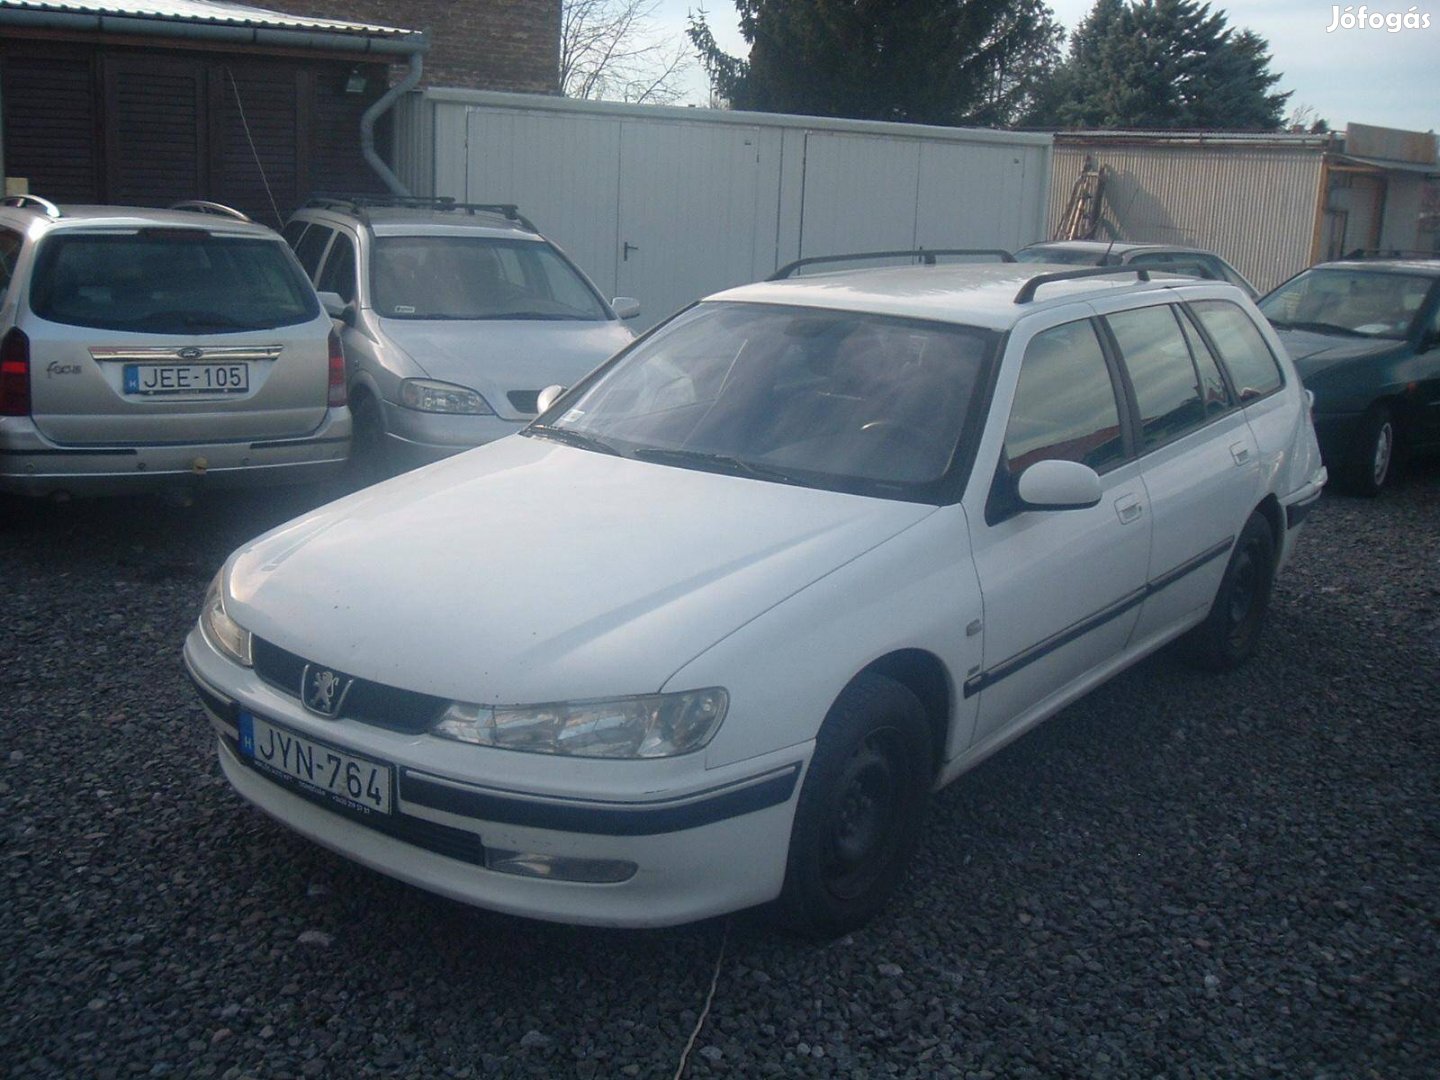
x: 1254, y: 205
x: 670, y: 204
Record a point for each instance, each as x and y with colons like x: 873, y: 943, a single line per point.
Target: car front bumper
x: 483, y: 826
x: 31, y: 464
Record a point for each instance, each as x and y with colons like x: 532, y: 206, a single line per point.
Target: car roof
x: 966, y: 293
x: 81, y: 217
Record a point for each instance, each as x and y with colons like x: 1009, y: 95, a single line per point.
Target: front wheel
x: 1374, y: 458
x: 860, y: 809
x: 1230, y: 634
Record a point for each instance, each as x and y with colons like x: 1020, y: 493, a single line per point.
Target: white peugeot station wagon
x: 708, y: 632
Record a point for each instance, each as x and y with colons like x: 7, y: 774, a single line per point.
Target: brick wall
x: 479, y: 44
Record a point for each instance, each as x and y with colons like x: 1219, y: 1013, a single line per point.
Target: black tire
x: 369, y: 460
x: 860, y: 809
x: 1375, y: 457
x: 1231, y: 631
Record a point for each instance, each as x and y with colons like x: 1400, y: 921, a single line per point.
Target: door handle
x: 1240, y: 452
x: 1128, y: 508
x: 625, y: 251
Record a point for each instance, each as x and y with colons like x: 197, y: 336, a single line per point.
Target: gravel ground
x: 1180, y: 876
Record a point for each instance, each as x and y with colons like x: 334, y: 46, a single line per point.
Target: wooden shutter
x: 50, y: 125
x: 155, y: 147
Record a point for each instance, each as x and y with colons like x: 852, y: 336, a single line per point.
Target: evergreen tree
x: 1165, y: 64
x: 921, y: 61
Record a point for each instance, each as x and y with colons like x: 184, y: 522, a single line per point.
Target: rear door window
x: 293, y: 231
x: 1253, y: 369
x: 1157, y: 358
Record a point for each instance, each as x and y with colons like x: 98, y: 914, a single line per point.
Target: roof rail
x: 360, y: 203
x: 45, y: 205
x: 925, y: 255
x: 204, y: 206
x: 1027, y: 291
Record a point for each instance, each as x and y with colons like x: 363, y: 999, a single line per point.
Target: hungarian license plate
x: 187, y: 378
x: 348, y: 779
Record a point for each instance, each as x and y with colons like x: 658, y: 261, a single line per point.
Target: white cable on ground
x: 705, y: 1012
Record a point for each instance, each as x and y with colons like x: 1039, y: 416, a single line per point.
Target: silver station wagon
x: 152, y: 350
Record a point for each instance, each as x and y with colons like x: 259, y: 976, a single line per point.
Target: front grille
x: 369, y: 702
x: 444, y: 840
x: 526, y: 401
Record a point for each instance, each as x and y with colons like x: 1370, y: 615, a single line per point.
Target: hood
x: 526, y: 571
x: 1314, y: 353
x: 497, y: 356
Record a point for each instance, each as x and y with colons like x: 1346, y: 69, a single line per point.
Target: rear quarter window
x: 169, y: 281
x: 10, y: 244
x: 1253, y: 369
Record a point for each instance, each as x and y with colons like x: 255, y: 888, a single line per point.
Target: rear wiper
x: 720, y: 463
x: 570, y: 437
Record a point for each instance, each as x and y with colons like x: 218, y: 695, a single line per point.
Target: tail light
x: 337, y: 394
x: 15, y: 374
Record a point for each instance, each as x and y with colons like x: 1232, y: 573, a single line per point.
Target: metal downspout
x: 379, y: 109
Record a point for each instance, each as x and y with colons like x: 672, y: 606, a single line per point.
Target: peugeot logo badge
x: 190, y: 352
x: 323, y: 691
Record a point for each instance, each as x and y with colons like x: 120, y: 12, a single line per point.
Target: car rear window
x: 169, y: 281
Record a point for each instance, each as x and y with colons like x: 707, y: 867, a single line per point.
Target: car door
x: 1199, y: 460
x: 1061, y: 588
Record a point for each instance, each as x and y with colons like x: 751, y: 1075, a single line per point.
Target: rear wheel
x: 1230, y: 634
x: 1374, y: 459
x: 860, y: 809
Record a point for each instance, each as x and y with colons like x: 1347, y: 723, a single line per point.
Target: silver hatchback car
x: 145, y: 350
x: 453, y: 317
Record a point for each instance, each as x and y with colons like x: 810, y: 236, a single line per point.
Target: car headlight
x: 646, y: 726
x: 224, y: 633
x: 427, y: 395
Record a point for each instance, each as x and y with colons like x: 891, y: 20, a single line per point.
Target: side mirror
x: 1059, y: 485
x: 336, y: 307
x: 627, y: 307
x: 548, y: 397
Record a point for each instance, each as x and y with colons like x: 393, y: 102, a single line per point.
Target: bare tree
x: 611, y: 50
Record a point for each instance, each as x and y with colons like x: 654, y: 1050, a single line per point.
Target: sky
x: 1346, y: 76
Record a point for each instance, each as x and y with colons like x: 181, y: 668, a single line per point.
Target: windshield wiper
x: 570, y: 437
x: 720, y: 463
x: 1324, y: 328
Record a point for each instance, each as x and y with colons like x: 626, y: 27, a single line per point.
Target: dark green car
x: 1365, y: 337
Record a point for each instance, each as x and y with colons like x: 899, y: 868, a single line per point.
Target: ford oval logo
x: 190, y: 352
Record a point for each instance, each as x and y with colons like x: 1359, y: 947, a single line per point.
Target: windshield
x: 1349, y: 302
x: 477, y: 277
x: 824, y: 398
x: 170, y: 281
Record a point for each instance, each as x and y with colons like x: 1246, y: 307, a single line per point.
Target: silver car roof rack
x: 205, y: 206
x: 926, y: 256
x: 1027, y: 291
x: 361, y: 204
x: 45, y: 205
